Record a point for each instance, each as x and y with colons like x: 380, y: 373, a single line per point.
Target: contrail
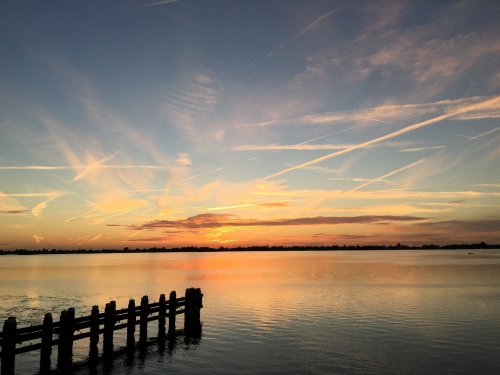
x: 419, y: 125
x: 315, y: 139
x: 483, y: 134
x: 371, y: 181
x: 161, y: 2
x: 201, y: 174
x: 295, y: 37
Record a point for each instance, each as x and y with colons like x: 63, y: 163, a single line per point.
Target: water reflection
x: 296, y: 312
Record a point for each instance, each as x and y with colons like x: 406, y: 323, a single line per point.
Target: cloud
x: 207, y: 221
x: 201, y: 174
x: 37, y: 210
x: 13, y: 211
x: 189, y: 103
x: 421, y: 149
x: 38, y: 239
x: 484, y: 134
x: 390, y: 113
x: 302, y: 32
x: 275, y: 147
x: 493, y: 102
x: 161, y: 3
x: 246, y: 205
x: 464, y: 225
x: 381, y: 178
x: 92, y: 166
x: 96, y: 238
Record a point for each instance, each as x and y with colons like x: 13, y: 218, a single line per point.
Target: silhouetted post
x: 94, y: 331
x: 62, y: 348
x: 172, y: 307
x: 143, y: 333
x: 199, y: 305
x: 71, y: 331
x: 188, y: 310
x: 9, y: 346
x: 109, y: 323
x: 46, y: 350
x: 162, y: 314
x: 131, y: 323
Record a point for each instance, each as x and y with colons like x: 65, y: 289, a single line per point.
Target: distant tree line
x: 189, y: 249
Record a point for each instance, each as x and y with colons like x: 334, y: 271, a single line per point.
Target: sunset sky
x: 133, y: 123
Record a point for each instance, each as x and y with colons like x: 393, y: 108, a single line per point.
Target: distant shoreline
x: 195, y: 249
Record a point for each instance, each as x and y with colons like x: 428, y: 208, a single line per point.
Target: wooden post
x: 94, y: 331
x: 62, y: 348
x: 198, y: 305
x: 109, y: 323
x: 9, y: 346
x: 162, y: 314
x: 171, y: 314
x: 71, y: 331
x: 143, y: 333
x: 131, y: 323
x: 187, y: 311
x: 46, y: 350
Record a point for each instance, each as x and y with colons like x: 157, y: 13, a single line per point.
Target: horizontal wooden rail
x: 123, y: 311
x: 97, y: 323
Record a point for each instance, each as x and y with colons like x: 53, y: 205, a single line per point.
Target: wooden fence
x: 98, y: 323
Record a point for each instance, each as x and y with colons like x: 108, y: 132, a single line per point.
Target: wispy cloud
x: 38, y: 239
x: 96, y: 238
x: 301, y: 32
x: 494, y: 102
x: 246, y: 205
x: 417, y: 149
x: 13, y: 211
x: 229, y: 220
x: 392, y: 113
x: 201, y: 174
x: 275, y: 147
x: 161, y: 3
x: 484, y: 134
x: 372, y: 181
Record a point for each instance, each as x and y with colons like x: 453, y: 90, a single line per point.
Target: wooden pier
x: 97, y: 323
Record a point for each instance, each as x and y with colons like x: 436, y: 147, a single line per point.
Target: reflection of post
x: 172, y: 306
x: 162, y: 313
x: 46, y: 349
x: 143, y: 331
x: 94, y: 331
x: 9, y: 346
x: 131, y: 323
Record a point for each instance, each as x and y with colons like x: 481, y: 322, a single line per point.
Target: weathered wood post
x: 71, y: 331
x: 109, y: 323
x: 9, y: 346
x: 46, y: 349
x: 199, y: 305
x: 131, y: 319
x: 94, y: 331
x: 62, y: 348
x: 143, y: 332
x: 172, y: 307
x: 162, y: 314
x: 188, y: 311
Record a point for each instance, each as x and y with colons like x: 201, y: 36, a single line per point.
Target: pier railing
x: 98, y: 323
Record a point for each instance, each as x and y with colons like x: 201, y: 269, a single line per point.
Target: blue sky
x: 233, y: 123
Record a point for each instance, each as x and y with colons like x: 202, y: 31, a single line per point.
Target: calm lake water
x: 360, y: 312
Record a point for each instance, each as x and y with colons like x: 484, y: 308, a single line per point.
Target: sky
x: 135, y: 123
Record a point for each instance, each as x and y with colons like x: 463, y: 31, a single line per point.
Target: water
x: 371, y: 312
